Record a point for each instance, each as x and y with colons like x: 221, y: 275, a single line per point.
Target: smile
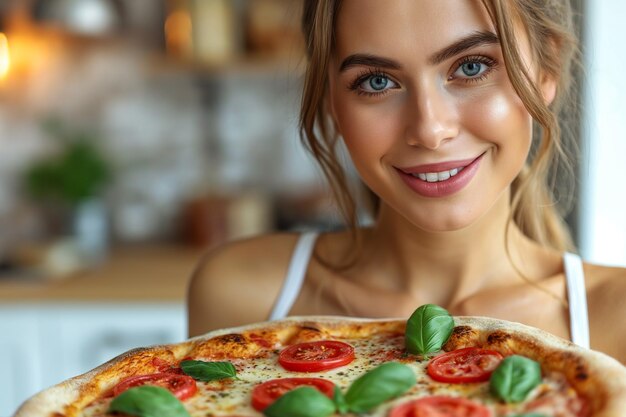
x: 440, y: 179
x: 438, y: 176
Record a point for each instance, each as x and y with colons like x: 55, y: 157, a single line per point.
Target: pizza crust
x: 598, y: 377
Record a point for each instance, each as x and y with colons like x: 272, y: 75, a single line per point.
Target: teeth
x: 438, y: 176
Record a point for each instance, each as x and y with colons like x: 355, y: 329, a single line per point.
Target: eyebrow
x: 463, y: 44
x: 468, y: 42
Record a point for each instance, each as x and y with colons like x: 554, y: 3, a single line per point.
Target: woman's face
x: 420, y: 94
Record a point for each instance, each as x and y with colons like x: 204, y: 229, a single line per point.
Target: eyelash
x: 364, y: 76
x: 377, y: 72
x: 482, y: 59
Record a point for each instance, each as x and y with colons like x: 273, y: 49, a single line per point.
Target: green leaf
x: 148, y: 401
x: 428, y: 329
x: 340, y: 401
x: 301, y: 402
x: 383, y: 383
x: 77, y: 173
x: 208, y: 371
x: 514, y: 378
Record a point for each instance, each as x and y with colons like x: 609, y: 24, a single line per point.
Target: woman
x: 435, y: 102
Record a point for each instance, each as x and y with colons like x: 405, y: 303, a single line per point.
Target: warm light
x: 5, y: 60
x: 178, y: 29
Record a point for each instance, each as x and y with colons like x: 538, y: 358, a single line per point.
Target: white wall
x: 603, y: 209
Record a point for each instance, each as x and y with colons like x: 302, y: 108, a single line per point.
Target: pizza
x: 431, y: 365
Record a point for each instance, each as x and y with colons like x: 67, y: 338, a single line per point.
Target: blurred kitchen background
x: 135, y: 134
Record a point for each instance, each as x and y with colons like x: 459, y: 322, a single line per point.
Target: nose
x: 431, y: 118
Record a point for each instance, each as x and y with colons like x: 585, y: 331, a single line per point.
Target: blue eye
x: 474, y: 68
x: 375, y: 83
x: 378, y: 82
x: 471, y: 69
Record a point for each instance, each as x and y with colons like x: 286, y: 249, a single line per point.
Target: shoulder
x: 606, y: 292
x: 238, y: 282
x: 605, y: 282
x: 260, y: 255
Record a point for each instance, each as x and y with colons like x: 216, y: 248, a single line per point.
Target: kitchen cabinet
x: 52, y: 331
x: 20, y: 360
x: 42, y: 345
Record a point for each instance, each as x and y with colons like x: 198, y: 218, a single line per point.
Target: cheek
x: 501, y: 119
x: 369, y: 131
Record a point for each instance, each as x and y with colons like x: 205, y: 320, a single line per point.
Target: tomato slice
x: 440, y: 406
x: 266, y: 393
x: 182, y: 386
x: 316, y: 356
x: 464, y: 365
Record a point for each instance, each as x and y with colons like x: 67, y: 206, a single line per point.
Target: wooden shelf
x: 289, y: 66
x: 139, y: 274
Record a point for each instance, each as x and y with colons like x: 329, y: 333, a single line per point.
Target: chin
x: 449, y: 226
x: 444, y: 222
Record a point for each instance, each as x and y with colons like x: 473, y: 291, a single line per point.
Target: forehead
x: 401, y: 27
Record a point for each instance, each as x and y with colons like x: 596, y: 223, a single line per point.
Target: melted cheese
x: 233, y: 397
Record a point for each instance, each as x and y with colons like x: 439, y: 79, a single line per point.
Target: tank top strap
x: 577, y: 297
x: 295, y: 275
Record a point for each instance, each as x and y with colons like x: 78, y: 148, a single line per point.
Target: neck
x: 447, y: 267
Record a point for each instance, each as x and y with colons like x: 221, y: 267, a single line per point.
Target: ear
x: 548, y: 88
x: 549, y: 82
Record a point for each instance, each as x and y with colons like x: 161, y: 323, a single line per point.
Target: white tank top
x: 573, y: 267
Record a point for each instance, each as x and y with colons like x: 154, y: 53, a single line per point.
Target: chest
x: 541, y: 308
x: 531, y: 307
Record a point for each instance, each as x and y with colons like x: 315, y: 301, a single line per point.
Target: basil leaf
x: 428, y: 329
x: 340, y: 401
x: 514, y: 378
x: 148, y: 401
x: 301, y: 402
x: 208, y: 371
x: 383, y: 383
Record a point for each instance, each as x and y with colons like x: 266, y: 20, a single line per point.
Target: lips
x: 438, y: 167
x: 421, y: 180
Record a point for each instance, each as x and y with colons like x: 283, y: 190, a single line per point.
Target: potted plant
x: 74, y: 179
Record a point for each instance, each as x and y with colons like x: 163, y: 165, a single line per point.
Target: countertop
x: 150, y: 273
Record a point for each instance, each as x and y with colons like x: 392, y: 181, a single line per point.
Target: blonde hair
x: 549, y: 27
